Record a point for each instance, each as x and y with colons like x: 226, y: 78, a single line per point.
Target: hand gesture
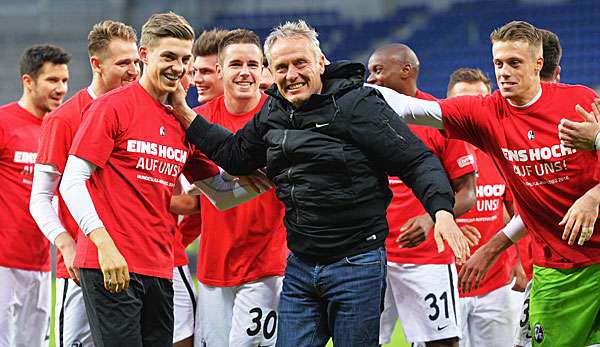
x: 581, y: 135
x: 415, y: 231
x: 446, y: 230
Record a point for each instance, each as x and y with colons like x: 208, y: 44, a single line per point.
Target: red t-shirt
x: 458, y: 160
x: 247, y: 242
x: 544, y: 177
x: 190, y: 227
x: 140, y: 150
x: 58, y: 130
x: 179, y: 256
x: 24, y: 246
x: 487, y: 217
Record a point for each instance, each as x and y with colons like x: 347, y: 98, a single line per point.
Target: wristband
x: 515, y: 229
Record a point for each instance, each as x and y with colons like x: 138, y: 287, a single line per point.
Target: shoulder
x: 571, y: 90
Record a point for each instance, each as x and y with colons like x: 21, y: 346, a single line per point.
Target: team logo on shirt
x: 162, y: 131
x: 530, y: 135
x: 538, y: 332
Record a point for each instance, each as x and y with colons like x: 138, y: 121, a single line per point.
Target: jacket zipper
x: 289, y: 173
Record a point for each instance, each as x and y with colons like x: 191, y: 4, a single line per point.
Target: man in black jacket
x: 329, y: 144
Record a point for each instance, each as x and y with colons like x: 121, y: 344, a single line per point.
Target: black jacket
x: 330, y: 160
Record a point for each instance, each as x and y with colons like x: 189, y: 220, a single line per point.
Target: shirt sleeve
x: 199, y: 167
x: 467, y: 118
x: 55, y: 143
x: 96, y: 136
x: 380, y: 133
x: 239, y: 154
x: 76, y: 195
x: 45, y: 182
x: 458, y: 158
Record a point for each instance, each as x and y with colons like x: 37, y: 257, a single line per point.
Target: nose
x: 62, y: 87
x: 133, y: 69
x: 292, y: 73
x: 245, y: 71
x: 371, y: 79
x: 179, y: 66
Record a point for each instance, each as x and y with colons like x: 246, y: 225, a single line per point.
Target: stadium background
x: 445, y: 34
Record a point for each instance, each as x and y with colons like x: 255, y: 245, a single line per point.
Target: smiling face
x: 297, y: 69
x: 517, y: 69
x: 241, y: 70
x: 387, y: 71
x: 47, y: 91
x: 120, y: 66
x: 166, y: 63
x: 206, y: 80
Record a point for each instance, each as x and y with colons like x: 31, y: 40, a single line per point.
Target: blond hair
x: 519, y: 31
x: 165, y: 25
x: 104, y: 32
x: 469, y: 75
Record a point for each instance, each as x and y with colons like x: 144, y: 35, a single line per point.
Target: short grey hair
x: 297, y: 29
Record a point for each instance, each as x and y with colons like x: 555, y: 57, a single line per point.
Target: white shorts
x: 25, y: 307
x: 523, y: 332
x: 425, y: 298
x: 184, y: 303
x: 240, y: 316
x: 71, y: 326
x: 488, y: 319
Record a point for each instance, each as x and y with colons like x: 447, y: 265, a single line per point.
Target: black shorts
x: 140, y: 316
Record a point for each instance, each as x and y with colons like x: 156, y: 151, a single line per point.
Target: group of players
x: 125, y: 172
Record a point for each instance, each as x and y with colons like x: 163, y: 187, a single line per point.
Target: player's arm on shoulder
x: 412, y: 110
x: 77, y: 197
x: 585, y: 134
x: 464, y: 190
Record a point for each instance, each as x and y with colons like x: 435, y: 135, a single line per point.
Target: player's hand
x: 179, y: 107
x: 581, y: 135
x: 258, y: 181
x: 580, y: 220
x: 520, y: 277
x: 113, y: 265
x: 67, y: 246
x: 474, y: 270
x: 415, y: 231
x: 446, y: 230
x: 472, y: 234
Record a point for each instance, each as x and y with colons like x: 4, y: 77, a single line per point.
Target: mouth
x: 171, y: 77
x: 295, y: 86
x: 507, y: 84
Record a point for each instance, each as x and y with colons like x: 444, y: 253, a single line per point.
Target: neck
x: 528, y: 96
x: 161, y: 96
x: 241, y: 106
x: 98, y: 87
x: 25, y: 102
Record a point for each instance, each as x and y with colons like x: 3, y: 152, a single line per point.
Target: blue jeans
x: 342, y: 300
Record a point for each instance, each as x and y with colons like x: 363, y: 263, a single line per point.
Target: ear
x: 557, y: 74
x: 539, y: 63
x: 143, y: 51
x: 95, y: 64
x: 28, y: 81
x: 322, y: 62
x: 219, y: 71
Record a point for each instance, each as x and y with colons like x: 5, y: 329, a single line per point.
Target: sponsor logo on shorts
x: 77, y: 343
x: 442, y: 328
x: 538, y: 333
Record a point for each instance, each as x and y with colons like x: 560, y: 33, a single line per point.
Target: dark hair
x: 469, y: 75
x: 238, y: 36
x: 552, y: 52
x: 33, y: 59
x: 208, y: 42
